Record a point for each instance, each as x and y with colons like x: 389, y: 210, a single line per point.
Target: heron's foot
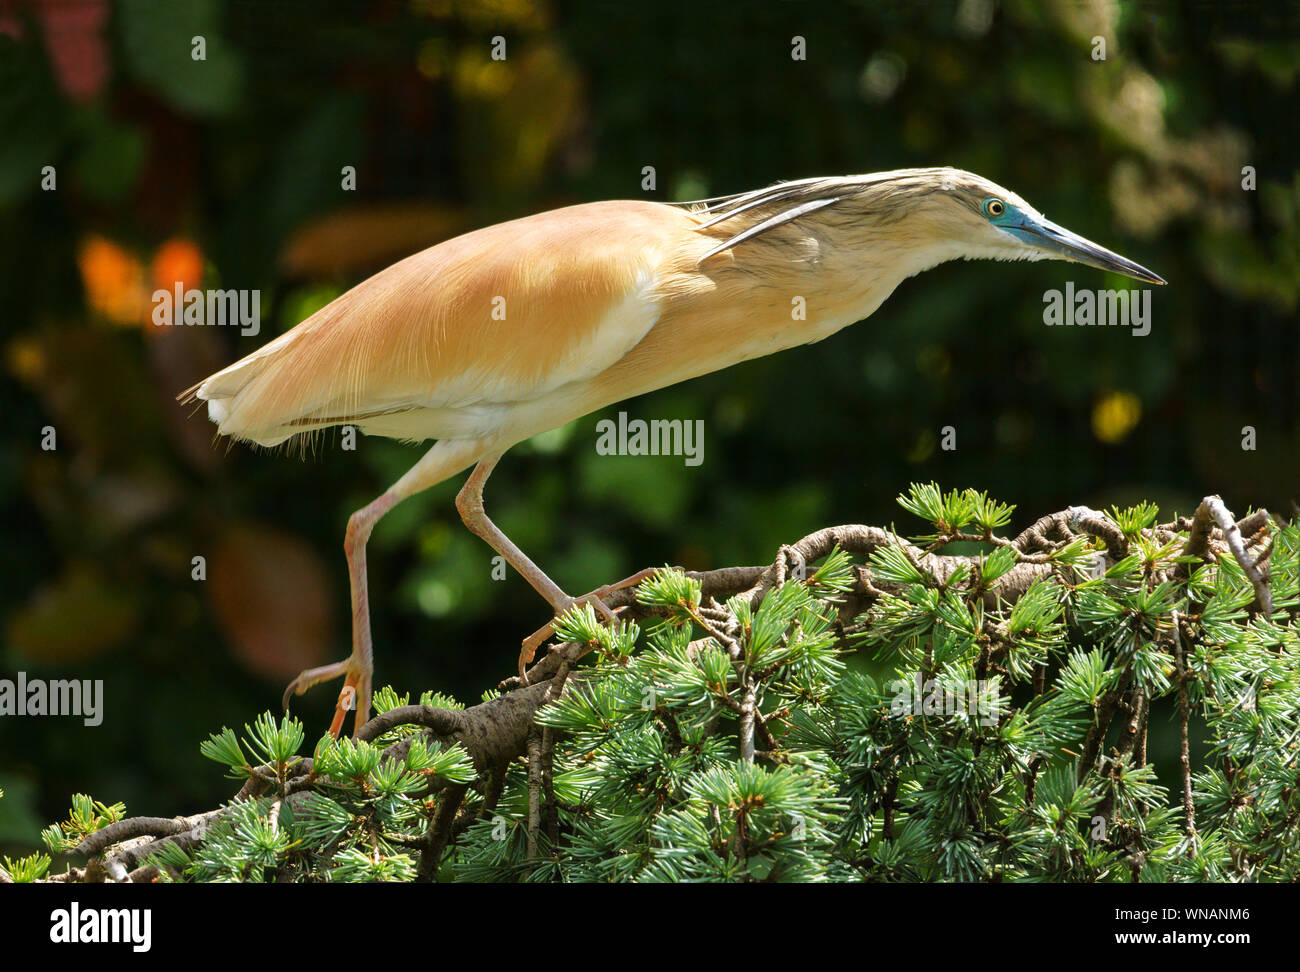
x: 528, y: 650
x: 358, y: 684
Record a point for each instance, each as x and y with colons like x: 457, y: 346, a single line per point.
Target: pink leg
x: 445, y: 459
x: 470, y: 504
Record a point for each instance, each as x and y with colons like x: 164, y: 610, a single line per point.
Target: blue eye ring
x: 993, y: 207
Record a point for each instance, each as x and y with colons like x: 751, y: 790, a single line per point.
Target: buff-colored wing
x: 462, y: 331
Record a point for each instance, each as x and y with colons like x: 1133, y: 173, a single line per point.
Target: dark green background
x: 240, y: 155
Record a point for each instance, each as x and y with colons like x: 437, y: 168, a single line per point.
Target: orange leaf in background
x: 271, y: 593
x: 114, y: 280
x: 363, y: 238
x: 178, y: 261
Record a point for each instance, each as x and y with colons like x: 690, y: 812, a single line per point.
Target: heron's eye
x: 994, y: 207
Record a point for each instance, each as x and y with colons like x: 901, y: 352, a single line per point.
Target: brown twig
x: 1184, y: 708
x: 440, y: 832
x: 1232, y: 536
x: 534, y: 790
x: 748, y: 711
x: 1096, y: 736
x: 133, y: 827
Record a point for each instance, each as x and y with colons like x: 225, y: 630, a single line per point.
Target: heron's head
x: 986, y: 221
x: 936, y: 214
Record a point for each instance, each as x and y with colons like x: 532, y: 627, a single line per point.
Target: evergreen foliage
x: 984, y: 718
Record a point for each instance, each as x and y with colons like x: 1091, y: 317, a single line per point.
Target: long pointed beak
x: 1071, y: 246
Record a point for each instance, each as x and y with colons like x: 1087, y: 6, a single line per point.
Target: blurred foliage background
x: 226, y: 172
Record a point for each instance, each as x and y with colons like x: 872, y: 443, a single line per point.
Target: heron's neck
x: 848, y: 284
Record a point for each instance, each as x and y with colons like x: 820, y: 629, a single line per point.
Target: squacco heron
x: 492, y: 337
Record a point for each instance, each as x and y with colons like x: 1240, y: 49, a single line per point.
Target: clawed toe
x: 354, y: 696
x: 529, y: 646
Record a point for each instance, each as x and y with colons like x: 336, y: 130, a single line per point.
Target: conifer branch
x: 749, y: 664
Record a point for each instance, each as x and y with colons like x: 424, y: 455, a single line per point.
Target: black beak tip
x: 1139, y: 272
